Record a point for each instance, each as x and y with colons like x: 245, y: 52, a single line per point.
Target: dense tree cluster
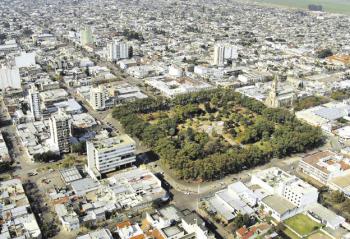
x: 46, y: 157
x: 196, y: 155
x: 132, y: 35
x: 324, y: 53
x: 335, y: 200
x: 309, y: 102
x: 340, y: 95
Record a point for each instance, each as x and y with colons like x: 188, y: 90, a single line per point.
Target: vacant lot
x: 334, y: 6
x: 302, y: 224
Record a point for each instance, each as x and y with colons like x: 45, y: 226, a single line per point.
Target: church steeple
x: 274, y: 88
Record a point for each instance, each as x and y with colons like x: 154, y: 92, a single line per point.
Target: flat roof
x: 108, y: 143
x: 84, y: 185
x: 279, y: 204
x: 315, y: 158
x: 342, y: 181
x: 171, y: 231
x: 325, y: 214
x: 70, y: 174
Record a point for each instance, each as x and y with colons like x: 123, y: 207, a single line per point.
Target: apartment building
x: 60, y: 130
x: 98, y: 97
x: 106, y: 154
x: 34, y: 103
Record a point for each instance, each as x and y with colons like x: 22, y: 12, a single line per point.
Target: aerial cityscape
x: 174, y: 119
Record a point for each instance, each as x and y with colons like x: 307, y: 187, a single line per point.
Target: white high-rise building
x: 98, y: 97
x: 224, y: 52
x: 117, y: 50
x: 34, y: 103
x: 9, y: 77
x: 86, y: 37
x: 60, y: 129
x: 219, y: 55
x: 106, y: 154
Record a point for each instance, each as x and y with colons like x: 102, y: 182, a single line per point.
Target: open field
x: 302, y: 224
x: 333, y: 6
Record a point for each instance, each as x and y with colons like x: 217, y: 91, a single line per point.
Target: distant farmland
x: 334, y: 6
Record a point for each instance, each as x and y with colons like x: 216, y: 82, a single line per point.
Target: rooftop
x: 279, y: 204
x: 102, y: 142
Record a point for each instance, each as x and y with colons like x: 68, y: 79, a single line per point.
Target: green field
x: 302, y: 224
x: 334, y: 6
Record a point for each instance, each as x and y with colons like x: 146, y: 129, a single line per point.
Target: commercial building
x: 98, y: 97
x: 60, y: 130
x: 105, y: 154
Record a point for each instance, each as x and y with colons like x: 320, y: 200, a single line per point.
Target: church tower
x: 272, y: 100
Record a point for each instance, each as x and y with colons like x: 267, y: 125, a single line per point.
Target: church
x: 278, y: 98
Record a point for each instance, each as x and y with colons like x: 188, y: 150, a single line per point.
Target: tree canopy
x: 193, y: 154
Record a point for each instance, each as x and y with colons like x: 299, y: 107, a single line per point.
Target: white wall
x: 10, y: 78
x: 25, y: 59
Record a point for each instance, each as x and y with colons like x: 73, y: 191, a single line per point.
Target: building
x: 86, y: 37
x: 9, y: 78
x: 295, y: 190
x: 329, y: 168
x: 98, y: 96
x: 118, y: 50
x: 224, y: 52
x: 219, y: 55
x: 99, y: 234
x: 170, y: 222
x: 25, y: 59
x: 235, y: 199
x: 34, y: 103
x: 126, y: 230
x: 106, y: 154
x: 4, y: 153
x: 60, y: 130
x: 17, y: 219
x: 134, y: 188
x: 68, y: 218
x: 324, y: 165
x: 278, y: 98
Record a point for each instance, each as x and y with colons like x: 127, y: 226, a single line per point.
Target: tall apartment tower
x: 34, y: 103
x: 224, y: 52
x: 118, y: 50
x: 60, y: 130
x: 86, y: 37
x: 219, y: 55
x: 98, y: 98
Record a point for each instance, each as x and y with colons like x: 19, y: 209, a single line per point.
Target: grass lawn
x: 318, y: 235
x: 290, y: 234
x: 335, y: 6
x: 302, y: 224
